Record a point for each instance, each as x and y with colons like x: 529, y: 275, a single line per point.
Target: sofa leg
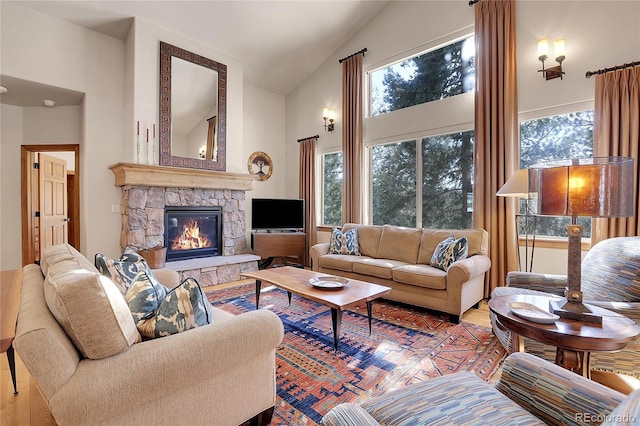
x: 455, y: 319
x: 263, y: 418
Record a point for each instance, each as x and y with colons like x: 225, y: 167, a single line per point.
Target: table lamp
x: 518, y: 186
x: 593, y: 187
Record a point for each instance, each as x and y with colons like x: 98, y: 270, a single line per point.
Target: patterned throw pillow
x: 344, y: 242
x: 122, y: 271
x: 144, y: 296
x: 183, y: 308
x: 449, y: 251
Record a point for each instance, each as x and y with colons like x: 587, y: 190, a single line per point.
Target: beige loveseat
x: 218, y: 374
x: 400, y: 258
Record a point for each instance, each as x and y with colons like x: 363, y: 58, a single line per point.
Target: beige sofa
x: 222, y: 373
x: 399, y: 258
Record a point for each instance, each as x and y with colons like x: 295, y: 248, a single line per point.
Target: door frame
x: 29, y: 190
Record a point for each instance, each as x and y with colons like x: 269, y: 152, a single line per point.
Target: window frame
x: 320, y: 154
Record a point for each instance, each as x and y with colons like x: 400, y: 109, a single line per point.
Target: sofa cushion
x: 381, y: 268
x: 448, y: 251
x: 477, y: 239
x: 340, y: 262
x: 184, y: 307
x: 368, y: 237
x: 87, y: 305
x: 398, y: 243
x: 422, y: 276
x: 627, y: 413
x: 344, y: 242
x: 348, y: 414
x: 124, y: 270
x: 454, y: 399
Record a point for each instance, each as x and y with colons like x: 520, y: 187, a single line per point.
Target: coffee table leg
x: 369, y: 304
x: 258, y: 285
x: 289, y: 296
x: 12, y: 367
x: 336, y: 319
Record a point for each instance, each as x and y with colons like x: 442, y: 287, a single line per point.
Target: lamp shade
x: 516, y: 186
x: 594, y: 187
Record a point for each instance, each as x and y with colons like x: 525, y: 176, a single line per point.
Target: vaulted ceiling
x: 280, y: 43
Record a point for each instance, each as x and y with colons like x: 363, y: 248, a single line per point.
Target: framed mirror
x: 193, y: 110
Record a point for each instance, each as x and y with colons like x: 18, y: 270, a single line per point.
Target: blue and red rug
x: 407, y: 345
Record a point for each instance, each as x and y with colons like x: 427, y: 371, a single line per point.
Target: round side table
x: 574, y: 340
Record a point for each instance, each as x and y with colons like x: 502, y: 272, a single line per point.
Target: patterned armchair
x: 610, y: 279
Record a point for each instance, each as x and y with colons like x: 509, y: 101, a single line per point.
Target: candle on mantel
x: 154, y: 130
x: 147, y: 135
x: 138, y: 128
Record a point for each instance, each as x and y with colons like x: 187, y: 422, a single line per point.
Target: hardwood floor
x: 28, y: 408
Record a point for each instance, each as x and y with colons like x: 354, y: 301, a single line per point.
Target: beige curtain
x: 352, y: 143
x: 496, y: 133
x: 307, y: 186
x: 616, y: 132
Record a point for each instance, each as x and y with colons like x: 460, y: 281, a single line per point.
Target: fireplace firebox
x: 192, y: 232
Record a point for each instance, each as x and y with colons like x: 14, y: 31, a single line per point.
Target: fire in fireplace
x: 192, y: 232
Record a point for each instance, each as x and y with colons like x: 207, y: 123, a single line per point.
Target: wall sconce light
x: 328, y: 114
x: 558, y: 50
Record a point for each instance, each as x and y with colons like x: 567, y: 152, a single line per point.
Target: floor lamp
x: 518, y: 186
x: 591, y: 187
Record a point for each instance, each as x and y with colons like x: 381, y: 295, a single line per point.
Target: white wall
x: 264, y: 130
x: 42, y: 49
x: 598, y: 34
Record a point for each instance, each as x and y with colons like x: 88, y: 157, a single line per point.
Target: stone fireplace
x: 192, y: 232
x: 149, y: 192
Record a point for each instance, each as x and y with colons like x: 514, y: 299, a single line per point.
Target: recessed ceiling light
x: 3, y: 89
x: 49, y: 102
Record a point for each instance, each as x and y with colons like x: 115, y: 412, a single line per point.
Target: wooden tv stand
x: 277, y: 244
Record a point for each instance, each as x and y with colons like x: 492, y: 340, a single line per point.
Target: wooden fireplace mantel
x: 178, y: 177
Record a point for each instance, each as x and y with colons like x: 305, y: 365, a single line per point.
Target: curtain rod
x: 353, y: 54
x: 617, y: 67
x: 309, y: 137
x: 472, y: 2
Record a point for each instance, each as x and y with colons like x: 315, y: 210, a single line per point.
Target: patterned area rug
x: 407, y: 345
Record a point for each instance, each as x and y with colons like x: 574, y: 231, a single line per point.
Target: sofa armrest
x: 315, y: 252
x: 153, y: 369
x: 463, y: 270
x: 547, y: 283
x: 169, y: 278
x: 554, y: 394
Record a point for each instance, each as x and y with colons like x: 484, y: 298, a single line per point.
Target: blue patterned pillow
x: 449, y: 251
x: 144, y: 296
x: 183, y: 308
x: 124, y: 270
x: 344, y: 242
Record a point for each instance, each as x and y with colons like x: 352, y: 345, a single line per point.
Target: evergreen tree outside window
x: 438, y: 74
x: 332, y: 189
x: 555, y: 138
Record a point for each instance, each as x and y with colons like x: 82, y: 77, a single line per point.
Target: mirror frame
x: 167, y: 51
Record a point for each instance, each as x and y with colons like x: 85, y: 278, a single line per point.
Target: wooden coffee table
x: 296, y: 280
x: 574, y: 340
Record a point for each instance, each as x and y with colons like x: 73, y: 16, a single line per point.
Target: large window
x: 438, y: 170
x: 554, y: 138
x: 441, y: 73
x: 332, y: 189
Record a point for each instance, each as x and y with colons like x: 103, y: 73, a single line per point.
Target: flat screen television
x: 277, y: 214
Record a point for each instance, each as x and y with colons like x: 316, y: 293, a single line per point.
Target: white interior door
x: 52, y: 176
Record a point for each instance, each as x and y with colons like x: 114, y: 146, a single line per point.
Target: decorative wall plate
x: 260, y: 165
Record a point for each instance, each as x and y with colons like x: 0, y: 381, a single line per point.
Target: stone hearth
x: 148, y: 189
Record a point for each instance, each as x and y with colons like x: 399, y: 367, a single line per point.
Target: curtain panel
x: 307, y: 192
x: 352, y: 139
x: 616, y: 132
x: 496, y: 133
